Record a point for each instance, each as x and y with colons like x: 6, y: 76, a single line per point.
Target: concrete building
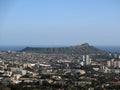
x: 118, y: 56
x: 83, y: 58
x: 112, y: 62
x: 87, y: 60
x: 109, y: 63
x: 115, y: 63
x: 118, y: 64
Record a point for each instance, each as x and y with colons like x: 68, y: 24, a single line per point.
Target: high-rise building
x: 87, y: 60
x: 112, y: 62
x: 118, y: 56
x: 108, y: 63
x: 118, y: 64
x: 115, y: 63
x: 83, y: 58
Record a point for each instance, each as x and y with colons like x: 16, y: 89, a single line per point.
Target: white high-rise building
x: 118, y: 64
x: 115, y: 63
x: 83, y: 58
x: 109, y: 63
x: 118, y: 56
x: 87, y: 60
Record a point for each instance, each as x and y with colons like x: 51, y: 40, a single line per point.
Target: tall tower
x: 83, y: 58
x: 87, y: 60
x: 118, y: 63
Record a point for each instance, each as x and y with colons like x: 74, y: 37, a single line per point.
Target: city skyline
x: 59, y: 23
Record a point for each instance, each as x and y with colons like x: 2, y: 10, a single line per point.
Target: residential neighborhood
x: 59, y: 71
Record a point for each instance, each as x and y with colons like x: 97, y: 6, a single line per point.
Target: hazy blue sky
x: 59, y: 22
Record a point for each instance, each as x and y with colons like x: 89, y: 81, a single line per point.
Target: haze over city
x: 59, y: 22
x: 59, y: 45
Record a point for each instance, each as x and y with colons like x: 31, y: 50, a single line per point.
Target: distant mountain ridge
x: 78, y: 49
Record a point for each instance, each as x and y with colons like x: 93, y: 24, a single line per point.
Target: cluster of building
x: 36, y: 68
x: 113, y: 63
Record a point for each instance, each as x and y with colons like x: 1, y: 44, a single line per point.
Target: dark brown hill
x: 78, y: 49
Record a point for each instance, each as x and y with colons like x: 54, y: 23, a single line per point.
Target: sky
x: 59, y: 22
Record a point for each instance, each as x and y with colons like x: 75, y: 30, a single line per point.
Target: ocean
x: 110, y: 48
x: 12, y: 48
x: 106, y: 48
